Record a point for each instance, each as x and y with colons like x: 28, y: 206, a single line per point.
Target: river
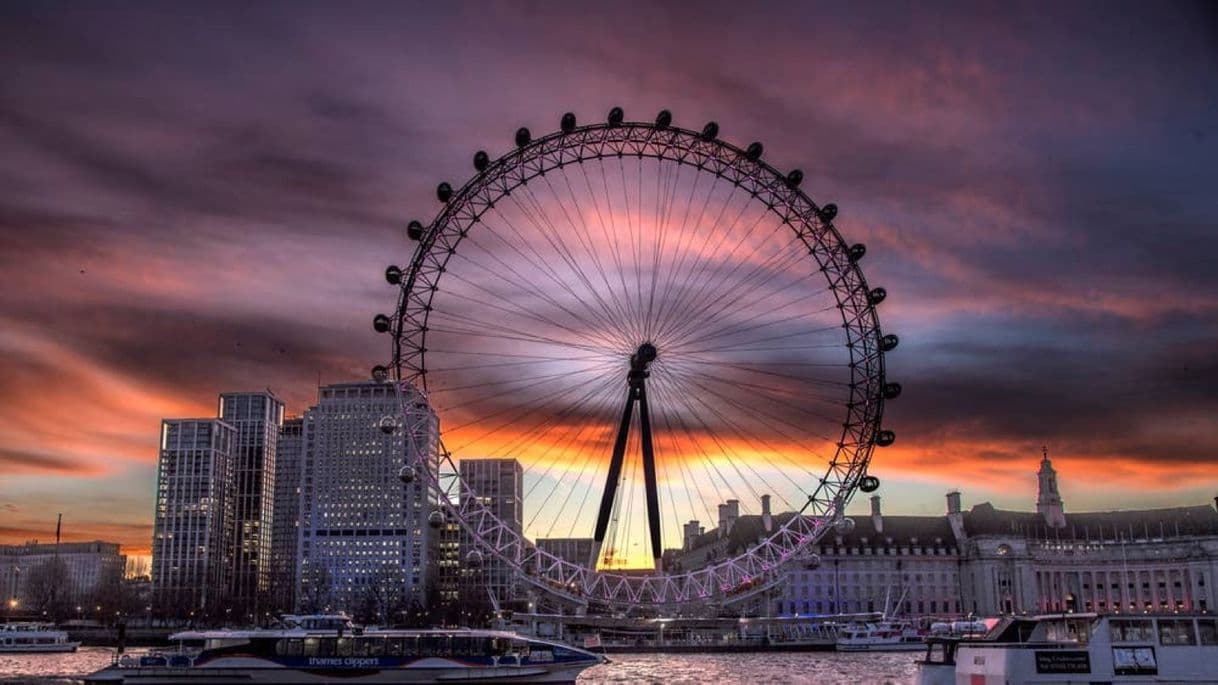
x: 832, y: 668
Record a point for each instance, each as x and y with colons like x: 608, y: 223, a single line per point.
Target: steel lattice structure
x: 779, y: 193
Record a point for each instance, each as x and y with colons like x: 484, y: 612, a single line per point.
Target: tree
x: 48, y: 589
x: 316, y: 590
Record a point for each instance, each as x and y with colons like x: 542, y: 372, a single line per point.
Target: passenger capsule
x: 663, y: 119
x: 444, y: 192
x: 568, y: 122
x: 473, y: 559
x: 414, y: 230
x: 892, y: 391
x: 523, y: 137
x: 844, y: 526
x: 393, y: 274
x: 435, y: 519
x: 753, y: 153
x: 857, y: 251
x: 616, y: 116
x: 889, y: 342
x: 380, y: 322
x: 481, y: 160
x: 869, y: 484
x: 828, y: 212
x: 795, y: 177
x: 406, y: 474
x: 380, y: 374
x: 812, y: 562
x: 885, y: 438
x: 876, y: 296
x: 710, y: 131
x: 387, y: 424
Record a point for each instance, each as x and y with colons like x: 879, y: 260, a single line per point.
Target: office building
x: 257, y: 417
x: 364, y: 532
x: 192, y: 526
x: 285, y: 531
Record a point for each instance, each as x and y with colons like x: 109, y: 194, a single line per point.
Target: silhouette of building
x: 286, y: 514
x: 191, y: 530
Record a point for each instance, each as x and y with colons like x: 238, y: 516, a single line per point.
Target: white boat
x: 329, y: 649
x: 1079, y: 648
x: 889, y: 635
x: 34, y: 637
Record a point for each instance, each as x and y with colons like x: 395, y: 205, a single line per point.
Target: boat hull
x: 895, y: 647
x: 227, y: 676
x: 40, y: 649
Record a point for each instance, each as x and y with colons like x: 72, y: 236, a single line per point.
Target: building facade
x: 363, y: 530
x: 285, y: 531
x: 34, y: 575
x: 192, y: 525
x: 499, y: 485
x: 257, y: 417
x: 985, y: 561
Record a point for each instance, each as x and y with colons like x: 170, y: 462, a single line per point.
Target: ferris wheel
x: 671, y: 339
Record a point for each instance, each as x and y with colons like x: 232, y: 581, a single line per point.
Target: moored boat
x: 34, y: 637
x: 329, y: 649
x: 889, y: 635
x: 1079, y: 648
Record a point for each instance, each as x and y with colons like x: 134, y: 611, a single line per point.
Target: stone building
x: 984, y: 560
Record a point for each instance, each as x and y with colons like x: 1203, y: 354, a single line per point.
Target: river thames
x: 806, y: 667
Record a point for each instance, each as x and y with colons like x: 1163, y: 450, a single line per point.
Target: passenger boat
x: 34, y: 637
x: 890, y: 635
x: 329, y: 649
x: 1079, y: 648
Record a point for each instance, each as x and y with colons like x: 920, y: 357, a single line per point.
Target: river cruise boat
x: 1078, y: 648
x: 34, y: 637
x: 890, y: 635
x: 329, y: 649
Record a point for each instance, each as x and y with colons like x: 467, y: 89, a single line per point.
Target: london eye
x: 653, y: 322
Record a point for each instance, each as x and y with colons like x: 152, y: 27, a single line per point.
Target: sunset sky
x: 203, y: 198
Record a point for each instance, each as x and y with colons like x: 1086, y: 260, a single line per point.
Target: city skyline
x: 1046, y: 269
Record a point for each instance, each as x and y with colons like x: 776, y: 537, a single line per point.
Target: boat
x: 888, y: 635
x: 330, y: 649
x: 1079, y: 648
x: 34, y: 637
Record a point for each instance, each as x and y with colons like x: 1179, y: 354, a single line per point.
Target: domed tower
x: 1048, y: 499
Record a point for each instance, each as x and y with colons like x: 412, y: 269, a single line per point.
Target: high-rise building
x: 364, y: 532
x: 574, y: 550
x: 257, y: 417
x: 498, y: 485
x: 286, y: 529
x: 193, y: 513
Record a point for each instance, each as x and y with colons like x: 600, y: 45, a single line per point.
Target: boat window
x: 499, y: 646
x: 1176, y: 632
x: 1207, y: 628
x: 310, y: 646
x: 410, y: 645
x: 393, y: 646
x: 461, y: 645
x: 295, y: 647
x: 343, y: 648
x: 433, y: 645
x: 360, y: 646
x: 1136, y: 630
x: 326, y: 647
x: 376, y: 646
